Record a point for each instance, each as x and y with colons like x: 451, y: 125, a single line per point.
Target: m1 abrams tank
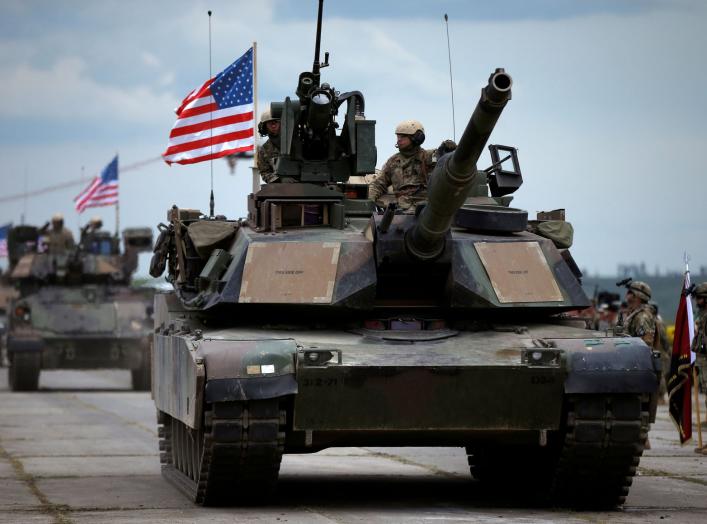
x: 76, y: 309
x: 319, y: 321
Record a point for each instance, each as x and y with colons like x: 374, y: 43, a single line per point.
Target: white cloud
x: 150, y: 59
x: 65, y: 90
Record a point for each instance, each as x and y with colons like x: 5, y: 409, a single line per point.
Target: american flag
x: 216, y: 119
x: 102, y: 191
x: 4, y: 231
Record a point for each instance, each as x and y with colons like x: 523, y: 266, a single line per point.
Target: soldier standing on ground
x: 638, y: 320
x: 408, y: 170
x: 59, y: 238
x: 663, y: 347
x: 699, y: 343
x: 268, y: 152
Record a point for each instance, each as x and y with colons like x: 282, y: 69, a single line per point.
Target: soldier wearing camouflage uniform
x: 638, y: 320
x: 699, y: 343
x: 268, y: 152
x: 408, y: 170
x: 662, y: 345
x: 59, y: 239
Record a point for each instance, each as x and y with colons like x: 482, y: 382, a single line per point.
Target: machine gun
x: 312, y: 148
x: 625, y: 282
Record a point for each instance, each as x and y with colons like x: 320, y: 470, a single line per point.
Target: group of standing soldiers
x: 640, y: 319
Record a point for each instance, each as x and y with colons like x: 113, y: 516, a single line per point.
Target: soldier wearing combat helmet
x: 268, y: 152
x: 699, y: 343
x: 89, y: 233
x: 59, y: 239
x: 663, y: 346
x: 638, y: 320
x: 408, y: 170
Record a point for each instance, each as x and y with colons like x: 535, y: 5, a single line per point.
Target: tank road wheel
x: 234, y: 459
x: 605, y: 437
x: 23, y: 373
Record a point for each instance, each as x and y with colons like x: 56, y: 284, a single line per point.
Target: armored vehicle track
x: 589, y: 465
x: 234, y: 458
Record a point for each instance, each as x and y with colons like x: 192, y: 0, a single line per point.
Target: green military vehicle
x: 76, y: 309
x: 7, y: 293
x: 320, y: 321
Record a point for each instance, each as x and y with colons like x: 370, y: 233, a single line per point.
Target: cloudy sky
x: 609, y: 109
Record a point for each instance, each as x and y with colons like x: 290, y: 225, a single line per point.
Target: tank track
x: 233, y: 459
x: 590, y: 464
x: 604, y: 439
x: 24, y: 370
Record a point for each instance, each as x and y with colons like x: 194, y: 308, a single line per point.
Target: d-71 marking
x: 320, y: 382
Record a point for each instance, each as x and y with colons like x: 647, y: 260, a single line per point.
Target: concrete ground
x: 84, y: 450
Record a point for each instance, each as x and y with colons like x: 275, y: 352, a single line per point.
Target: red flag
x: 679, y: 382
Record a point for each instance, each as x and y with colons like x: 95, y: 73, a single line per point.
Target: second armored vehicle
x: 76, y: 309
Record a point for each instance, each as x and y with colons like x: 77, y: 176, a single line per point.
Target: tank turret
x: 454, y: 175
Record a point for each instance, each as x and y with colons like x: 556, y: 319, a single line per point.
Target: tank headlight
x: 23, y: 313
x: 319, y: 357
x: 542, y: 357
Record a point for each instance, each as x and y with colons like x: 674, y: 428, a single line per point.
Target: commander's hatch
x: 284, y: 206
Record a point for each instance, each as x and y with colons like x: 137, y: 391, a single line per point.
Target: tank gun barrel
x: 454, y: 174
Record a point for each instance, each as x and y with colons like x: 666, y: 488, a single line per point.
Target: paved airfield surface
x: 84, y: 450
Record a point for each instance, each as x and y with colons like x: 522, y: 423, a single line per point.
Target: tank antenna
x: 211, y: 141
x: 315, y: 66
x: 451, y: 84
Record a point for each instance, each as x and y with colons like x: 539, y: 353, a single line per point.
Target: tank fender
x: 249, y: 369
x: 609, y: 365
x: 24, y: 344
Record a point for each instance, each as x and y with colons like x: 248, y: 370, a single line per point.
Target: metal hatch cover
x: 290, y: 273
x: 518, y: 272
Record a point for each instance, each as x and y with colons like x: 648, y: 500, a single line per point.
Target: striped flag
x: 102, y: 190
x: 216, y: 119
x: 4, y: 231
x: 679, y: 376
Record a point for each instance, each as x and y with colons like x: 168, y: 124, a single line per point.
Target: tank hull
x: 505, y: 391
x: 88, y: 327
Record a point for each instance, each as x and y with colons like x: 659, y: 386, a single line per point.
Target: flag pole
x: 211, y: 129
x: 700, y: 448
x: 117, y: 202
x: 254, y: 170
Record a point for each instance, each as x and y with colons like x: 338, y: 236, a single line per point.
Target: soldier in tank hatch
x: 268, y: 152
x: 58, y: 238
x: 638, y: 320
x: 90, y: 232
x: 409, y: 169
